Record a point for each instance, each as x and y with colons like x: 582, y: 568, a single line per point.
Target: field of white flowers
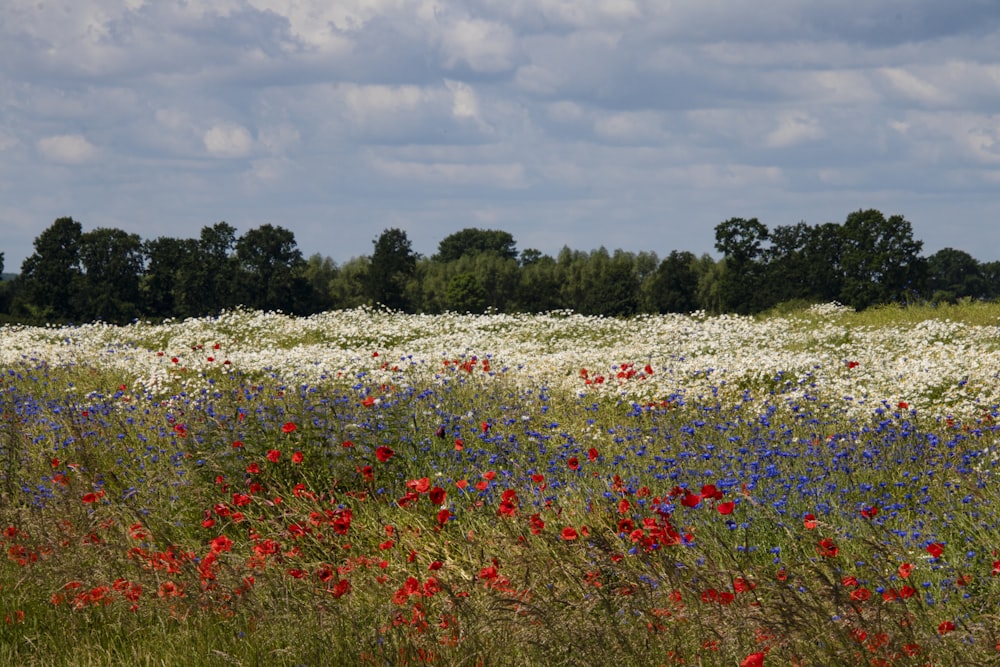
x: 940, y: 367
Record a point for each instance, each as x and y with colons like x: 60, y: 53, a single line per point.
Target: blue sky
x: 630, y: 124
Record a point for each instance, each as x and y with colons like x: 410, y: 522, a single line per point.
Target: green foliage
x: 392, y: 264
x: 465, y: 294
x: 474, y: 241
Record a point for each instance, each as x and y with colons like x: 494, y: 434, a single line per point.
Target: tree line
x: 111, y: 275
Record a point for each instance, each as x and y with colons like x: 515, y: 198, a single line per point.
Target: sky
x: 631, y: 124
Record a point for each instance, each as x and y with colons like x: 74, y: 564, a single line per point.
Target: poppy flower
x: 384, y: 453
x: 297, y: 457
x: 827, y: 548
x: 935, y: 549
x: 809, y: 521
x: 459, y: 444
x: 569, y: 533
x: 592, y: 454
x: 273, y: 455
x: 725, y: 508
x: 288, y: 427
x: 945, y: 627
x: 905, y: 569
x: 753, y: 660
x: 573, y: 463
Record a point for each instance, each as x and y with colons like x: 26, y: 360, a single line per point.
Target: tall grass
x: 473, y: 509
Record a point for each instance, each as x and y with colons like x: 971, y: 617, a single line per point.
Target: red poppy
x: 573, y: 463
x: 459, y: 444
x: 592, y: 454
x: 945, y: 627
x: 368, y: 402
x: 869, y: 512
x: 726, y: 508
x: 273, y: 455
x: 288, y: 427
x: 297, y: 457
x: 902, y: 405
x: 935, y: 549
x: 437, y: 495
x: 569, y: 533
x: 827, y: 548
x: 905, y: 569
x: 237, y: 443
x: 383, y: 453
x: 809, y: 521
x: 462, y: 483
x: 753, y: 660
x: 485, y: 426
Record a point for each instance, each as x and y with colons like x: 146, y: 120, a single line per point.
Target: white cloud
x: 228, y: 140
x: 482, y: 46
x: 504, y: 176
x: 67, y: 148
x: 794, y: 128
x: 631, y: 127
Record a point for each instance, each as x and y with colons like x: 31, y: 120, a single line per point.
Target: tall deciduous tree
x: 170, y: 287
x: 392, y: 264
x: 51, y: 276
x: 113, y: 262
x: 217, y: 269
x: 741, y: 242
x: 473, y: 241
x: 270, y: 270
x: 674, y: 286
x: 881, y: 260
x: 953, y: 274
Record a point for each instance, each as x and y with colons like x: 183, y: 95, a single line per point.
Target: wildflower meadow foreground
x: 371, y: 488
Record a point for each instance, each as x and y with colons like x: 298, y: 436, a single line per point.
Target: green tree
x: 392, y: 264
x: 741, y: 242
x: 169, y: 286
x: 465, y: 294
x: 320, y: 273
x: 214, y: 282
x: 270, y: 270
x: 674, y: 286
x: 349, y: 288
x: 473, y: 241
x: 51, y: 277
x: 954, y: 274
x: 991, y: 280
x: 113, y: 262
x: 881, y: 260
x: 538, y: 289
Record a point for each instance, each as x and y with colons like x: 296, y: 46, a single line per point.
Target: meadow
x: 363, y: 487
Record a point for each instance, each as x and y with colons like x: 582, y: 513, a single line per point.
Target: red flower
x: 273, y: 455
x: 485, y: 426
x: 902, y: 405
x: 573, y: 463
x: 569, y: 533
x: 297, y: 457
x: 459, y: 444
x: 437, y: 495
x: 221, y: 543
x: 852, y: 364
x: 827, y: 548
x: 237, y: 443
x: 809, y: 521
x: 368, y: 402
x: 383, y: 453
x: 288, y: 427
x: 905, y: 569
x: 462, y: 483
x: 945, y: 627
x: 89, y: 497
x: 935, y: 549
x: 690, y: 500
x: 592, y: 454
x: 726, y: 508
x: 753, y: 660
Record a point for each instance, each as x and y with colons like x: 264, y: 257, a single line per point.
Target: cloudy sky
x: 633, y: 124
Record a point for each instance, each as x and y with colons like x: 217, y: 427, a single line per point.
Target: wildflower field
x: 371, y: 488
